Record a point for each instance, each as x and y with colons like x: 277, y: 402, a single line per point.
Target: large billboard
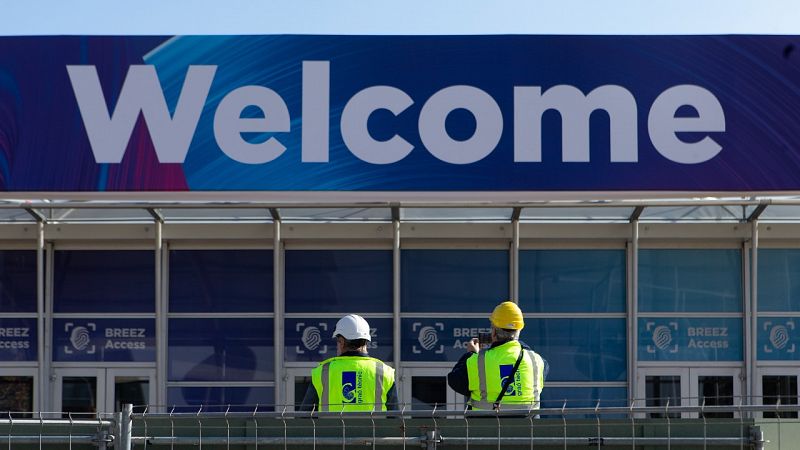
x: 400, y: 113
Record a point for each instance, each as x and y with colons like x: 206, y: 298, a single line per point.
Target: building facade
x: 185, y: 218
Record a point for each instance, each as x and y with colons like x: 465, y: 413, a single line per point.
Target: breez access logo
x: 172, y: 134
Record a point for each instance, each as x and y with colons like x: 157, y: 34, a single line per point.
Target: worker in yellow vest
x: 352, y: 380
x: 508, y: 373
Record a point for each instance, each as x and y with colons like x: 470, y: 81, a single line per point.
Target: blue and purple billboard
x: 400, y: 113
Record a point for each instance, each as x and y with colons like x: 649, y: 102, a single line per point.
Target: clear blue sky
x: 399, y: 17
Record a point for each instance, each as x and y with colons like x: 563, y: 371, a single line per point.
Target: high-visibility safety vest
x: 352, y: 383
x: 489, y: 369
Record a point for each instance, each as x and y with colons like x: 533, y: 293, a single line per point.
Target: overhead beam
x: 757, y: 212
x: 156, y: 214
x: 276, y: 216
x: 38, y: 215
x: 637, y: 212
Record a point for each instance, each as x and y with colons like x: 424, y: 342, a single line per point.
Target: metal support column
x: 278, y: 307
x: 514, y: 291
x: 161, y: 317
x: 44, y: 377
x: 751, y: 330
x: 633, y: 307
x: 396, y: 295
x: 48, y: 329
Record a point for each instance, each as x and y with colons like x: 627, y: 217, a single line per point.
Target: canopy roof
x: 131, y: 210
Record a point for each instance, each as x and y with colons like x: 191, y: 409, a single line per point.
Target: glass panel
x: 16, y: 395
x: 579, y: 349
x: 79, y: 395
x: 690, y: 339
x: 99, y: 215
x: 690, y: 280
x: 17, y: 281
x: 454, y: 214
x: 219, y: 399
x: 336, y: 214
x: 96, y: 281
x: 216, y: 214
x: 17, y: 215
x: 220, y: 281
x: 121, y: 340
x: 435, y: 339
x: 689, y: 213
x: 311, y: 339
x: 715, y: 391
x: 781, y: 212
x: 18, y: 339
x: 781, y: 388
x: 342, y: 281
x: 663, y: 390
x: 221, y: 350
x: 577, y: 214
x: 778, y: 338
x: 778, y: 279
x: 301, y: 386
x: 453, y: 280
x: 572, y: 280
x: 133, y: 390
x: 427, y: 392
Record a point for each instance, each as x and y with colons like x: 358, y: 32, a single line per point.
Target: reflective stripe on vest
x: 354, y: 393
x: 531, y: 377
x: 378, y: 386
x: 326, y: 391
x: 482, y: 376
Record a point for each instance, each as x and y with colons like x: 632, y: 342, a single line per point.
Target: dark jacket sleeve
x: 546, y: 368
x: 458, y: 378
x: 310, y: 401
x: 392, y: 403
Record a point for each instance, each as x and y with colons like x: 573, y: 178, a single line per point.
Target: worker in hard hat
x: 508, y: 373
x: 352, y: 380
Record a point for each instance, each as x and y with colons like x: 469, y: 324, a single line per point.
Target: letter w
x: 141, y: 92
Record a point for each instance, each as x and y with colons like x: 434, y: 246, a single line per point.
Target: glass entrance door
x: 299, y: 380
x: 17, y: 388
x: 426, y: 388
x: 715, y: 386
x: 662, y: 387
x: 84, y: 392
x: 705, y: 386
x: 778, y: 385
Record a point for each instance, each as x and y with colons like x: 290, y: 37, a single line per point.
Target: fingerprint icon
x: 779, y: 336
x: 311, y: 338
x: 662, y: 337
x: 79, y: 337
x: 428, y: 337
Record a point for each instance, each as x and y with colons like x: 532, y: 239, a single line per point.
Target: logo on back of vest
x: 514, y: 386
x: 349, y: 385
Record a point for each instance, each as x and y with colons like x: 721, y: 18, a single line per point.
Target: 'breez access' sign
x: 400, y: 113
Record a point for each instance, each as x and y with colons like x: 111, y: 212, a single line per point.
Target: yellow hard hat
x: 507, y: 315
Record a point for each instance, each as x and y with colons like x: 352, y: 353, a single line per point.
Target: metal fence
x: 259, y: 426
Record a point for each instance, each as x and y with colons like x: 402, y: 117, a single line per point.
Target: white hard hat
x: 352, y: 327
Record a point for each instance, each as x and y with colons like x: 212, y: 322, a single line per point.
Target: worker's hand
x: 473, y: 345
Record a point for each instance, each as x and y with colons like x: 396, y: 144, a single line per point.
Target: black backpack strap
x: 509, y: 379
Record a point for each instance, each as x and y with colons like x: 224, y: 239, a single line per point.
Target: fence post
x: 124, y: 427
x: 431, y: 439
x: 757, y: 438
